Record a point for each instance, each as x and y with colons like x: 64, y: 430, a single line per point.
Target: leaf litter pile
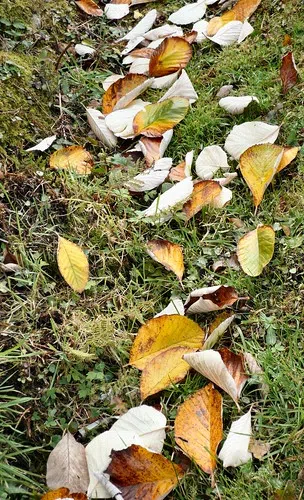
x: 127, y: 461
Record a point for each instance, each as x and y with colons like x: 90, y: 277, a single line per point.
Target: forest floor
x: 64, y: 355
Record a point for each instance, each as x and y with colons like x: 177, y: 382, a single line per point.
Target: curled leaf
x: 176, y: 306
x: 203, y: 194
x: 236, y: 105
x: 122, y: 92
x: 89, y: 7
x: 181, y: 88
x: 235, y: 449
x: 209, y: 299
x: 248, y: 134
x: 210, y: 160
x: 217, y: 329
x: 189, y: 13
x: 170, y: 56
x: 288, y: 72
x: 98, y: 125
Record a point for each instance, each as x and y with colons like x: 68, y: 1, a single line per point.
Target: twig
x: 110, y: 487
x: 62, y: 54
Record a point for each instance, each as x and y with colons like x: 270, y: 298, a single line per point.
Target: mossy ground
x: 69, y: 353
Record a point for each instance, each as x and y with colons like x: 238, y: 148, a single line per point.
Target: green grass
x: 67, y: 354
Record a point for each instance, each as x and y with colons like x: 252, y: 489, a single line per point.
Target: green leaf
x: 255, y: 250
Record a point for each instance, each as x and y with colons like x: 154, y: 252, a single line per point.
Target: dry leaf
x: 164, y: 82
x: 255, y: 250
x: 217, y: 329
x: 235, y: 449
x: 258, y: 165
x: 63, y: 493
x: 224, y: 91
x: 142, y: 475
x: 209, y: 161
x: 117, y: 10
x: 242, y: 10
x: 191, y: 36
x: 170, y: 255
x: 289, y: 155
x: 74, y: 158
x: 120, y: 122
x: 176, y: 306
x: 236, y: 105
x: 198, y: 427
x: 163, y: 333
x: 170, y: 56
x: 189, y: 13
x: 203, y: 194
x: 181, y: 88
x: 110, y: 80
x: 211, y: 298
x: 248, y: 134
x: 162, y: 32
x: 150, y: 178
x: 67, y: 466
x: 89, y: 7
x: 183, y: 170
x: 154, y: 148
x: 144, y: 25
x: 122, y: 92
x: 258, y: 448
x: 10, y: 263
x: 73, y: 264
x: 288, y: 72
x: 155, y: 119
x: 43, y: 145
x: 98, y: 125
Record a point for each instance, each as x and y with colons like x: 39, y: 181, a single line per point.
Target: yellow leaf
x: 142, y: 475
x: 155, y: 119
x: 163, y: 370
x: 204, y: 193
x: 198, y: 427
x: 63, y: 493
x: 217, y: 23
x: 242, y: 10
x: 163, y: 333
x: 89, y: 7
x: 255, y: 250
x: 74, y: 158
x: 73, y: 264
x: 168, y: 254
x: 123, y: 91
x: 258, y: 165
x: 170, y: 56
x: 289, y: 155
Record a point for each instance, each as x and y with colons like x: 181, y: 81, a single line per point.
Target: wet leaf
x: 170, y: 255
x: 74, y: 158
x: 73, y: 264
x: 170, y: 56
x: 89, y: 7
x: 204, y: 192
x: 155, y: 119
x: 255, y: 250
x: 198, y: 427
x: 288, y: 72
x: 122, y: 92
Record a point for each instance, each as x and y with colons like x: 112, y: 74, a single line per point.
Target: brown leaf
x: 120, y: 89
x: 143, y: 475
x: 144, y: 52
x: 210, y: 299
x: 287, y: 40
x: 288, y: 72
x: 170, y: 56
x: 152, y: 149
x: 235, y: 365
x: 190, y: 37
x: 258, y: 448
x: 170, y: 255
x: 203, y: 194
x: 89, y: 7
x: 63, y: 493
x: 10, y: 263
x: 178, y: 173
x: 199, y: 427
x: 67, y: 466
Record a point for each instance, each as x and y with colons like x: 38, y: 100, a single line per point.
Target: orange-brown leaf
x: 178, y: 173
x: 63, y: 493
x: 242, y: 10
x: 289, y: 155
x: 143, y: 475
x: 203, y: 194
x: 170, y: 255
x: 191, y: 36
x: 288, y: 72
x: 89, y: 7
x: 199, y: 427
x: 171, y: 55
x: 236, y: 367
x: 144, y: 52
x: 120, y: 89
x: 74, y: 158
x: 152, y: 149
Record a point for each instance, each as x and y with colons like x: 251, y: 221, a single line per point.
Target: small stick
x: 110, y: 487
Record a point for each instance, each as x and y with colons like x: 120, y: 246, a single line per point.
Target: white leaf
x: 228, y: 34
x: 132, y: 44
x: 246, y: 30
x: 130, y: 96
x: 67, y: 466
x: 164, y: 82
x: 188, y: 163
x: 210, y: 364
x: 163, y: 206
x: 181, y: 88
x: 209, y: 161
x: 140, y: 66
x: 163, y: 164
x: 224, y: 91
x: 202, y: 305
x: 110, y: 80
x: 121, y: 122
x: 200, y: 27
x: 236, y: 105
x: 163, y: 32
x: 189, y: 13
x: 248, y: 134
x: 222, y: 199
x: 144, y: 25
x: 176, y: 306
x: 228, y: 177
x: 44, y: 144
x: 116, y: 10
x: 211, y: 2
x: 235, y: 449
x: 147, y: 180
x: 98, y: 125
x: 83, y: 50
x: 217, y: 333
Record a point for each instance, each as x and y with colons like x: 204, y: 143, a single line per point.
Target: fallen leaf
x: 89, y: 7
x: 289, y: 155
x: 288, y: 72
x: 144, y: 25
x: 120, y: 122
x: 209, y: 161
x: 211, y: 298
x: 73, y: 264
x: 161, y: 334
x: 116, y: 10
x: 183, y: 170
x: 249, y: 134
x: 223, y: 368
x: 63, y: 493
x: 189, y: 13
x: 241, y: 11
x: 259, y: 165
x: 155, y: 119
x: 217, y: 329
x: 143, y: 52
x: 110, y: 80
x: 43, y: 145
x: 142, y: 475
x: 134, y: 42
x: 162, y: 32
x: 198, y: 427
x: 224, y: 91
x: 163, y: 207
x: 150, y: 178
x: 258, y: 448
x: 255, y: 250
x: 170, y: 255
x: 74, y: 158
x: 98, y: 125
x: 154, y: 148
x: 221, y: 200
x: 231, y: 33
x: 181, y: 88
x: 231, y: 263
x: 142, y: 425
x: 236, y: 105
x: 287, y: 40
x: 164, y: 82
x: 201, y: 29
x: 67, y: 466
x: 10, y: 263
x: 191, y: 36
x: 235, y: 449
x: 122, y: 92
x: 176, y: 306
x: 203, y: 194
x: 170, y: 56
x: 84, y: 50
